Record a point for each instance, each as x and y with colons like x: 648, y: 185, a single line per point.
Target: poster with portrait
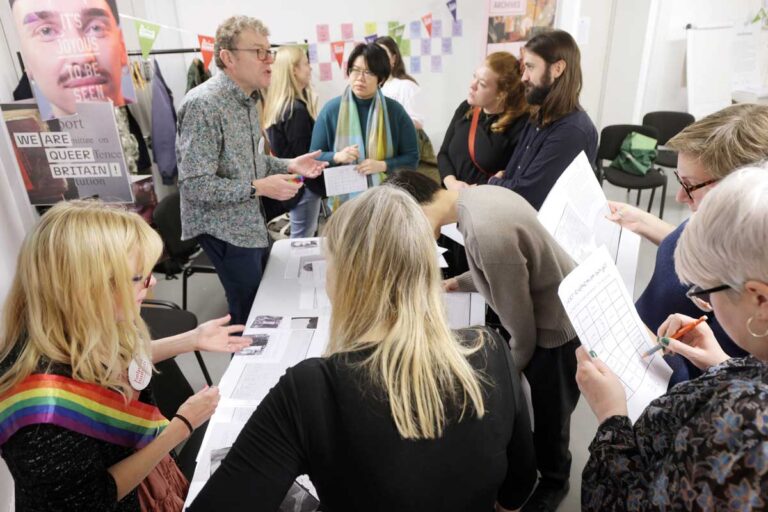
x: 69, y: 158
x: 73, y: 51
x: 511, y: 23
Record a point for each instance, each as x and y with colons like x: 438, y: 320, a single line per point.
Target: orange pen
x: 678, y: 334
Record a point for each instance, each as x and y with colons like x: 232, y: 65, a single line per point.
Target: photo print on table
x: 266, y: 322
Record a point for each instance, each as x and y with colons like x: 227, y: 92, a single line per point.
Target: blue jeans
x: 239, y: 270
x: 304, y: 215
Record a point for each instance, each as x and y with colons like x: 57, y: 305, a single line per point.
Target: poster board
x: 709, y: 72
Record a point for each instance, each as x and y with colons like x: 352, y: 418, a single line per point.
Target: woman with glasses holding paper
x: 78, y: 426
x: 708, y: 151
x: 704, y: 444
x: 401, y: 414
x: 364, y: 128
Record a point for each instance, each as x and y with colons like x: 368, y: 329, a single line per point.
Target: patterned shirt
x: 218, y: 156
x: 702, y: 446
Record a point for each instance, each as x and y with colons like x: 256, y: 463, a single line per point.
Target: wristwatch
x: 253, y: 192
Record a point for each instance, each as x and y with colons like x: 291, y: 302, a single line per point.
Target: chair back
x: 668, y: 123
x: 612, y: 136
x: 167, y: 218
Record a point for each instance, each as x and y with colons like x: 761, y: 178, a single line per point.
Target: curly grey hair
x: 230, y: 29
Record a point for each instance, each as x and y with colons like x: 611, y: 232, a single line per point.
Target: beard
x: 536, y: 94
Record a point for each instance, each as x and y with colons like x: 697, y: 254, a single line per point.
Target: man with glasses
x: 222, y: 171
x: 708, y: 150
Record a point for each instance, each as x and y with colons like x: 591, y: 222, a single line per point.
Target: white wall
x: 665, y: 87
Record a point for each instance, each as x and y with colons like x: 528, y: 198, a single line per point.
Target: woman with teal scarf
x: 364, y: 127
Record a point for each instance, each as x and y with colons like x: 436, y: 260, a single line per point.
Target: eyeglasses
x: 145, y: 281
x: 700, y: 297
x: 690, y: 188
x: 261, y: 53
x: 354, y: 71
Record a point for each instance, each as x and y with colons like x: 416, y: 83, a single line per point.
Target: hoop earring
x: 749, y: 329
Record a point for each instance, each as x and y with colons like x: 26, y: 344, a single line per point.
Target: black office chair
x: 668, y: 124
x: 167, y: 218
x: 611, y: 138
x: 169, y: 386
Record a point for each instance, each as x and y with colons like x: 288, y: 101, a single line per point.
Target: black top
x: 55, y: 469
x: 290, y: 137
x: 544, y: 153
x: 324, y: 419
x: 492, y: 150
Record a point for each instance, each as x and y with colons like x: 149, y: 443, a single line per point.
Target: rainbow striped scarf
x: 84, y: 408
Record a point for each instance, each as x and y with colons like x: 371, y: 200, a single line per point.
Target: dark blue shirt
x: 665, y: 295
x: 543, y: 153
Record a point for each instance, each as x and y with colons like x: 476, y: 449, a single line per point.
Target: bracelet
x: 186, y: 422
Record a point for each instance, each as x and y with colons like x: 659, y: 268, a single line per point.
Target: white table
x: 291, y: 294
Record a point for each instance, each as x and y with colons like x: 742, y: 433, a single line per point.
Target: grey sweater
x: 517, y: 266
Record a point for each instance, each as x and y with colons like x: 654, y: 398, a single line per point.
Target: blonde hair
x: 710, y: 251
x: 72, y: 300
x: 381, y: 247
x: 284, y: 88
x: 726, y: 140
x: 228, y: 32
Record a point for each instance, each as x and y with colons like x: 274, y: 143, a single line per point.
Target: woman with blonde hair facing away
x: 78, y: 427
x: 290, y: 110
x: 401, y: 413
x: 703, y: 445
x: 708, y: 151
x: 485, y: 128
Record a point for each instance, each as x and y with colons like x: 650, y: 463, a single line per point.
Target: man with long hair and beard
x: 559, y: 128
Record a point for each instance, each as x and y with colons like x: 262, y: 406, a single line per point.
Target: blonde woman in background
x: 401, y: 413
x: 290, y: 110
x: 78, y: 426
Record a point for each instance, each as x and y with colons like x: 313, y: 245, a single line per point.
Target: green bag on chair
x: 636, y: 155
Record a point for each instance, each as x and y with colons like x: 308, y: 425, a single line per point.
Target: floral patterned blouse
x: 701, y: 446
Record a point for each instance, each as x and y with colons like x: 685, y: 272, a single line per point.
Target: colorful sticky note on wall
x: 313, y: 53
x: 326, y: 72
x: 347, y: 31
x: 447, y: 46
x: 323, y: 34
x: 456, y: 28
x: 426, y: 46
x: 415, y: 65
x: 437, y: 28
x: 414, y: 29
x: 405, y: 47
x: 370, y: 27
x: 437, y: 64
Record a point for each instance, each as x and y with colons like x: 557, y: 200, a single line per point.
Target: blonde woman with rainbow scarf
x: 78, y: 426
x: 364, y: 127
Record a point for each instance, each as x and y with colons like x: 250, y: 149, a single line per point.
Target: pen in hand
x: 664, y: 341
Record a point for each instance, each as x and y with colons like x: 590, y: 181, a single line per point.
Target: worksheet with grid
x: 602, y: 312
x: 344, y: 179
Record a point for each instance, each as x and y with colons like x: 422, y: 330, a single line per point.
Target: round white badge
x: 139, y: 373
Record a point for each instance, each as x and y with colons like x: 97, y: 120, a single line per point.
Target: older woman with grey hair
x: 703, y: 445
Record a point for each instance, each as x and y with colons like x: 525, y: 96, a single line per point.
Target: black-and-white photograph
x: 258, y: 345
x: 304, y: 244
x: 266, y: 322
x: 304, y: 322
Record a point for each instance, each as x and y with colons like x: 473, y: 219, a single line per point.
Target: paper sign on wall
x: 427, y: 20
x: 371, y: 38
x: 415, y: 65
x: 452, y: 7
x: 396, y: 33
x: 147, y: 33
x: 313, y: 53
x: 323, y: 34
x: 414, y: 29
x: 337, y: 51
x: 326, y: 73
x: 447, y: 46
x: 405, y: 47
x: 437, y: 28
x: 206, y: 49
x: 437, y: 64
x: 426, y: 46
x: 347, y: 31
x: 507, y: 7
x: 371, y: 27
x: 456, y: 29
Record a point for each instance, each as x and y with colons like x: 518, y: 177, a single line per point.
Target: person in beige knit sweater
x: 517, y: 266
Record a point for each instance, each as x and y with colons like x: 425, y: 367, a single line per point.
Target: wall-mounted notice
x: 513, y: 22
x: 73, y: 52
x: 71, y: 158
